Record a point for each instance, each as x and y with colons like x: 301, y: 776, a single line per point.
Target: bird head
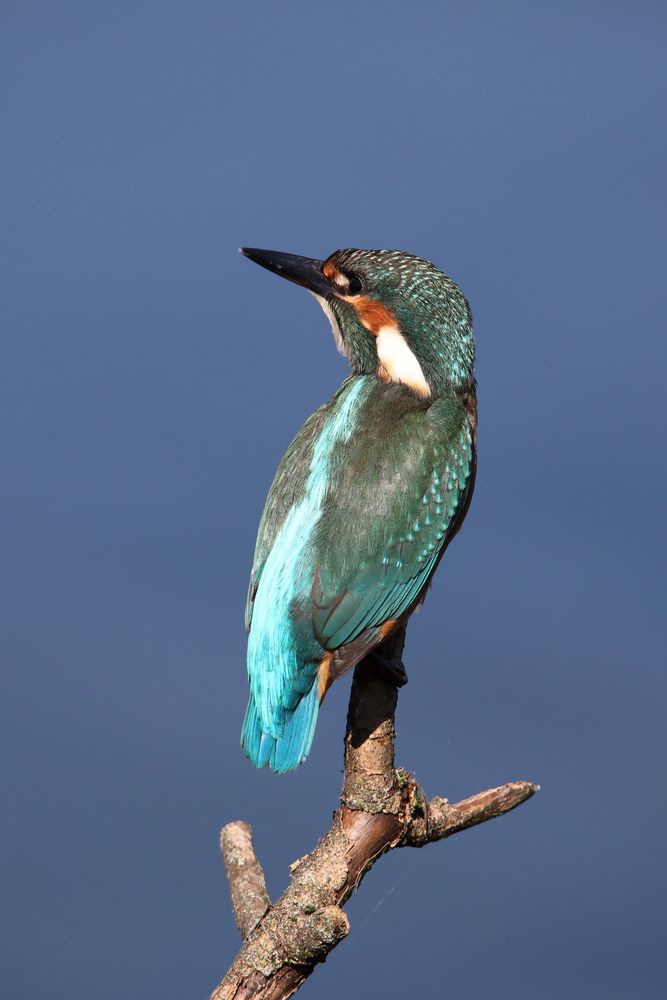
x: 391, y: 313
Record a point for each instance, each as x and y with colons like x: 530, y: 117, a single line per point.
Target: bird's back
x: 362, y: 506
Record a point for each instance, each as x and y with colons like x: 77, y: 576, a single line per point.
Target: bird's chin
x: 335, y: 326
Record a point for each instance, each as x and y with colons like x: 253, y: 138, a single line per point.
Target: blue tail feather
x: 291, y: 748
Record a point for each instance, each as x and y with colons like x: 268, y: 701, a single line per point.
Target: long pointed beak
x: 304, y: 271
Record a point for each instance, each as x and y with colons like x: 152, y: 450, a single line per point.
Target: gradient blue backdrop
x: 150, y: 380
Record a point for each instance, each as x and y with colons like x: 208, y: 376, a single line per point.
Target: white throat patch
x: 397, y: 362
x: 335, y: 329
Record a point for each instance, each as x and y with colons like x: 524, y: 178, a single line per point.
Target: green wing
x: 399, y: 496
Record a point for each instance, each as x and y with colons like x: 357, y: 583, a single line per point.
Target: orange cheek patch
x: 372, y: 313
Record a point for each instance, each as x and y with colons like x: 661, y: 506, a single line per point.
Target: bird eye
x: 355, y: 285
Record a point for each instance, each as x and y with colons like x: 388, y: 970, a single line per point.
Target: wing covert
x: 404, y: 513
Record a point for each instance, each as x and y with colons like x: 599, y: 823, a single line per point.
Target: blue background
x: 150, y: 380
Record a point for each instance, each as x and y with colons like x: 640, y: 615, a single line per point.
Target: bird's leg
x: 394, y: 669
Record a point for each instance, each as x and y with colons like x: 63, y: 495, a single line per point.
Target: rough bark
x: 381, y: 808
x: 250, y: 899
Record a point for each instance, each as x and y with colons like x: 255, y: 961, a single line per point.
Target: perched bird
x: 368, y: 495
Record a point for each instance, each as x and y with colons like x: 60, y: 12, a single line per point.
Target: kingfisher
x: 368, y: 495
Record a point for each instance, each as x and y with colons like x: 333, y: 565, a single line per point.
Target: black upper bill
x: 304, y: 271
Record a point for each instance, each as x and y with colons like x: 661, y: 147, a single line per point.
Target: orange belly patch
x: 388, y: 627
x: 324, y: 676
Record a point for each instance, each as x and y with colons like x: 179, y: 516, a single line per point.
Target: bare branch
x: 247, y: 885
x: 441, y: 818
x: 446, y: 819
x: 381, y: 808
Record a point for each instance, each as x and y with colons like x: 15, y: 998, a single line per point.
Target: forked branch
x: 381, y: 808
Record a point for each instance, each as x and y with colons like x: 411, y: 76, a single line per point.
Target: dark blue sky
x: 151, y: 379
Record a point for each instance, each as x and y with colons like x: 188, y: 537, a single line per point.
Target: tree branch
x: 381, y: 808
x: 250, y: 899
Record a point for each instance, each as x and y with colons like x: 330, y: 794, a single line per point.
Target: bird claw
x: 396, y: 671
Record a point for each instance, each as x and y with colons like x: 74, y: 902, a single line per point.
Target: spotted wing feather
x: 400, y: 514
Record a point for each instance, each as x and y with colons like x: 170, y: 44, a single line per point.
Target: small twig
x: 446, y: 819
x: 250, y: 899
x: 381, y: 808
